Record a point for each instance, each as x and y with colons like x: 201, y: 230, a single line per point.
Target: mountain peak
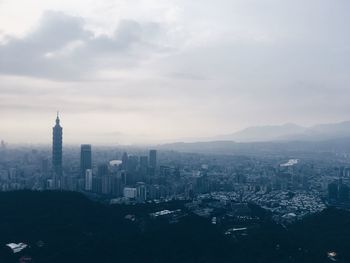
x: 289, y: 131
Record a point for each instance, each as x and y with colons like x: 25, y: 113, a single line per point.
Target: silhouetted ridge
x: 68, y: 227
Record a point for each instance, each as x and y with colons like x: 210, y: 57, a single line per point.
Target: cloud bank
x: 168, y: 69
x: 61, y: 48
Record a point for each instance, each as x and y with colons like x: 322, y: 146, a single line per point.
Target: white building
x: 88, y: 179
x: 130, y: 193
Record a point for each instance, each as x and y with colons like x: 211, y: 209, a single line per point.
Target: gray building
x: 85, y: 158
x: 153, y: 159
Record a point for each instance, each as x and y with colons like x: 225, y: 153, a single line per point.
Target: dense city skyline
x: 131, y: 71
x: 174, y: 131
x: 235, y: 190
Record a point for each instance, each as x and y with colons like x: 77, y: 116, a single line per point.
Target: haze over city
x: 174, y: 131
x: 137, y: 71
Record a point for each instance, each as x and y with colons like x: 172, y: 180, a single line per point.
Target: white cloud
x: 173, y: 68
x: 61, y: 48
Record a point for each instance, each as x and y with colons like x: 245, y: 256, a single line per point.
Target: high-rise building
x: 153, y: 159
x: 141, y: 191
x: 106, y: 183
x: 57, y: 152
x: 125, y: 161
x: 133, y: 162
x: 85, y: 158
x: 117, y: 185
x: 143, y: 168
x: 88, y: 179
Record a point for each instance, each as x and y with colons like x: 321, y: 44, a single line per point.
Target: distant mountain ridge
x: 277, y: 139
x: 288, y: 132
x: 261, y: 148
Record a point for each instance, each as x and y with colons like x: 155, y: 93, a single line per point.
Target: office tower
x: 106, y: 183
x: 152, y: 163
x: 141, y: 192
x: 57, y: 151
x: 125, y: 161
x: 133, y: 162
x: 85, y: 158
x: 88, y: 180
x: 143, y: 168
x: 117, y: 185
x: 153, y: 159
x: 103, y: 178
x: 124, y: 177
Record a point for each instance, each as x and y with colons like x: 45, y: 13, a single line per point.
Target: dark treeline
x: 68, y: 227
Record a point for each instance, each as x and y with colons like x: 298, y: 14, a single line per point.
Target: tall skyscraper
x: 57, y: 152
x: 125, y: 161
x: 104, y: 175
x: 133, y: 162
x: 143, y: 169
x: 152, y: 162
x: 85, y: 158
x: 153, y: 159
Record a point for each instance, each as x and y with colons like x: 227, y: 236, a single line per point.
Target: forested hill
x: 68, y: 227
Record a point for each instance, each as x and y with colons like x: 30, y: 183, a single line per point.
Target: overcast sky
x: 131, y: 71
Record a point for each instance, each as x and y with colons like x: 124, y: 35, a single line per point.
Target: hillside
x: 67, y: 227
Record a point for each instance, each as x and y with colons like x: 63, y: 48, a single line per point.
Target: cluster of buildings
x: 286, y: 186
x: 284, y: 206
x: 133, y: 177
x: 288, y: 206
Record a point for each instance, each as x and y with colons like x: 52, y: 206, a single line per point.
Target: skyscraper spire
x: 57, y: 118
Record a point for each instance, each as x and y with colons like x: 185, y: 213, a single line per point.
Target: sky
x: 151, y: 71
